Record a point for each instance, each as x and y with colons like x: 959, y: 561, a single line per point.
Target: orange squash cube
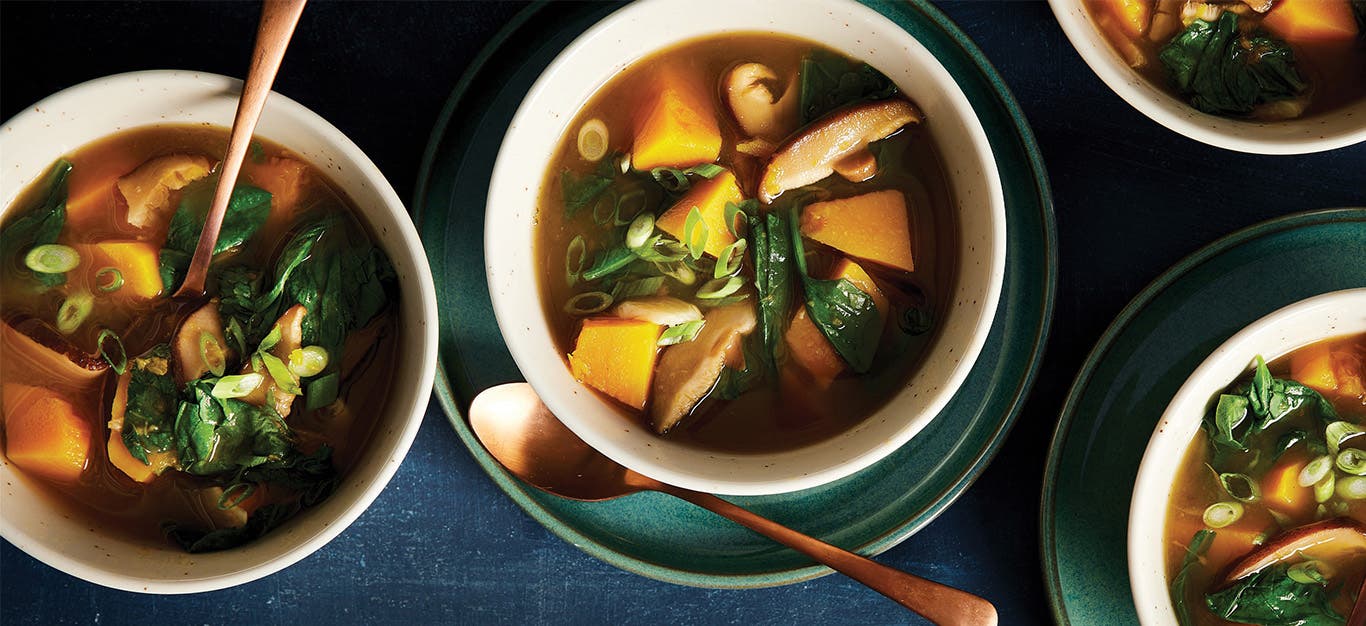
x: 677, y: 126
x: 850, y: 270
x: 1313, y: 366
x: 873, y: 227
x: 710, y: 198
x: 1281, y: 489
x: 1133, y: 16
x: 137, y: 261
x: 617, y: 357
x: 1312, y: 20
x: 44, y: 435
x: 809, y: 349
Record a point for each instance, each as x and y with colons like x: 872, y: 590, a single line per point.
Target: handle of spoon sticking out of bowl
x: 938, y: 603
x: 278, y: 19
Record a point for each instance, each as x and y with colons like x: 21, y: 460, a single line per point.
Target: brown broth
x: 791, y: 414
x: 1196, y: 487
x: 104, y: 495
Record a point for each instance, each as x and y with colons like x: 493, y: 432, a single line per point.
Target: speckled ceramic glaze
x: 1135, y: 370
x: 1341, y: 127
x: 658, y: 536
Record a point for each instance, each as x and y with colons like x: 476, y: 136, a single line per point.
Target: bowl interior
x: 589, y: 63
x: 64, y: 122
x: 1279, y: 333
x: 1340, y: 127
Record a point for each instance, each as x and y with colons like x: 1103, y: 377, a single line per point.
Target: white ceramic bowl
x: 1307, y: 321
x: 1341, y: 127
x: 60, y: 124
x: 644, y: 28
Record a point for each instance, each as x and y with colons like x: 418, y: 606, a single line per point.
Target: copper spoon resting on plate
x: 527, y: 439
x: 278, y: 19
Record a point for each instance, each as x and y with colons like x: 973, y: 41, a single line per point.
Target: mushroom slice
x: 760, y: 110
x: 291, y: 339
x: 32, y: 349
x: 662, y: 310
x: 841, y: 136
x: 148, y: 187
x: 688, y: 371
x: 857, y: 167
x: 1339, y: 539
x: 200, y: 346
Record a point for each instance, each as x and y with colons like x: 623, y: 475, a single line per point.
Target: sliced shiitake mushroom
x: 1328, y: 540
x: 762, y: 110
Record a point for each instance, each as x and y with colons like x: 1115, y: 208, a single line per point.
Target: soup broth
x: 794, y: 389
x: 67, y: 335
x: 1230, y: 503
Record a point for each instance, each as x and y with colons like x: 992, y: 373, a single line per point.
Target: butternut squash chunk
x: 873, y: 227
x: 1313, y: 367
x: 677, y: 126
x: 1133, y: 16
x: 1115, y: 32
x: 710, y: 198
x: 617, y: 357
x: 1282, y: 491
x: 809, y: 349
x: 287, y: 181
x: 1232, y: 542
x: 137, y: 261
x: 148, y: 188
x: 45, y: 436
x: 1311, y: 20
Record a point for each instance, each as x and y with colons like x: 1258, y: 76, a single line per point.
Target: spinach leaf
x: 260, y: 522
x: 149, y: 419
x: 580, y: 191
x: 771, y: 252
x: 247, y: 211
x: 828, y: 82
x: 1223, y: 72
x: 1251, y: 408
x: 311, y: 476
x: 845, y: 315
x: 40, y: 225
x: 1198, y: 546
x: 217, y: 435
x: 1271, y: 598
x: 1288, y: 441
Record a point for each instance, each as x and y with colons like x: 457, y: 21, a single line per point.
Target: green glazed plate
x: 1135, y: 369
x: 655, y: 535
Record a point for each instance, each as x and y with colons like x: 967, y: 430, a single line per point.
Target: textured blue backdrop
x: 442, y: 543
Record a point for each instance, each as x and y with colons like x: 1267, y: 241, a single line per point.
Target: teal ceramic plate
x: 653, y: 534
x: 1136, y: 368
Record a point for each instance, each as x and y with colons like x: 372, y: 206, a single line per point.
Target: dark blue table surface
x: 442, y: 543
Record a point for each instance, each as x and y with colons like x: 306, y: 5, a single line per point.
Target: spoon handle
x: 940, y: 604
x: 278, y: 19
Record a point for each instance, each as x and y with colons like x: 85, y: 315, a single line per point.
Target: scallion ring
x: 732, y: 213
x: 720, y: 287
x: 1315, y: 471
x: 588, y: 303
x: 629, y: 205
x: 574, y: 258
x: 235, y: 494
x: 75, y: 308
x: 212, y: 354
x: 118, y: 361
x: 681, y: 333
x: 52, y: 258
x: 605, y: 208
x: 731, y: 260
x: 1352, y: 461
x: 677, y: 271
x: 1323, y: 490
x: 1221, y: 514
x: 237, y: 386
x: 1337, y: 432
x: 640, y: 230
x: 1307, y: 573
x: 593, y: 140
x: 1241, y: 487
x: 1352, y: 488
x: 672, y: 180
x: 695, y: 233
x: 113, y: 284
x: 308, y: 361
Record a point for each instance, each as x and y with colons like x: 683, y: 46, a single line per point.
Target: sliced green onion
x: 280, y: 373
x: 681, y: 333
x: 720, y: 302
x: 75, y: 308
x: 1307, y: 573
x: 1337, y: 432
x: 641, y: 228
x: 1352, y: 461
x: 52, y: 258
x: 593, y: 140
x: 1323, y: 490
x: 271, y: 338
x: 114, y: 283
x: 237, y: 386
x: 672, y: 180
x: 235, y: 334
x: 677, y: 271
x: 605, y: 208
x: 705, y: 170
x: 1352, y: 488
x: 695, y: 233
x: 1315, y: 470
x: 720, y: 287
x: 629, y: 205
x: 637, y: 288
x: 1221, y: 514
x: 588, y: 303
x: 240, y: 492
x: 1241, y: 487
x: 212, y: 354
x: 308, y: 362
x: 609, y: 262
x: 732, y: 212
x: 322, y: 391
x: 731, y: 260
x: 118, y: 361
x: 574, y: 258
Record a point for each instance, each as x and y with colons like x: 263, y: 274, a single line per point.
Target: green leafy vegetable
x: 247, y: 211
x: 829, y: 81
x: 1198, y: 546
x: 215, y: 435
x: 149, y: 420
x: 609, y: 262
x: 1253, y: 407
x: 41, y: 224
x: 1226, y: 73
x: 845, y: 315
x: 771, y: 253
x: 675, y: 180
x: 1272, y: 598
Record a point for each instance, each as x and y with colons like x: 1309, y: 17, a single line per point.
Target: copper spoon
x: 518, y: 430
x: 278, y: 19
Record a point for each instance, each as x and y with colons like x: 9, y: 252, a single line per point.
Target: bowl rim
x: 867, y: 455
x: 1176, y: 427
x: 218, y: 86
x: 1221, y: 132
